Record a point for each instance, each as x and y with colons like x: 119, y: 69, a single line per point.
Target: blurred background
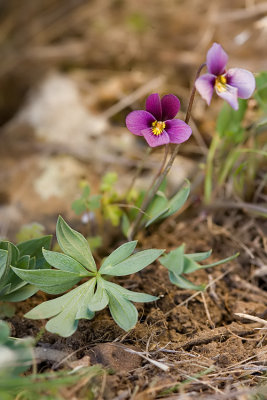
x: 70, y: 72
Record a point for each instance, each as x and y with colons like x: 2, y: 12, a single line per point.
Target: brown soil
x: 197, y: 335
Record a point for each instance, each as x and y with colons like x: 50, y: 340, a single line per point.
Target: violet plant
x: 77, y: 263
x: 230, y: 143
x: 31, y: 269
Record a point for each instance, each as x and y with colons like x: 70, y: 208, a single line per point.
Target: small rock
x: 114, y: 356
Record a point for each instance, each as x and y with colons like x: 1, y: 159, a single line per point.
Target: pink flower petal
x: 178, y: 131
x: 229, y: 95
x: 137, y: 121
x: 216, y: 59
x: 243, y: 80
x: 170, y: 106
x: 153, y: 140
x: 205, y: 85
x: 153, y: 106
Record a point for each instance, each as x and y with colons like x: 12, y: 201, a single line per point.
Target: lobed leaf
x: 20, y: 294
x: 174, y: 260
x: 3, y: 262
x: 172, y: 205
x: 133, y: 263
x: 199, y: 256
x: 64, y: 262
x: 66, y: 310
x: 100, y: 298
x: 118, y: 255
x: 74, y: 245
x: 184, y: 283
x: 34, y: 247
x: 49, y: 280
x: 178, y: 200
x: 128, y: 294
x: 122, y: 310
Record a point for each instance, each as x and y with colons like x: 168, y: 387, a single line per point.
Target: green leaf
x: 178, y: 200
x: 123, y: 311
x: 174, y: 260
x: 118, y: 255
x: 64, y: 262
x: 49, y: 280
x: 229, y: 122
x: 190, y: 265
x: 125, y: 224
x: 100, y: 298
x: 134, y: 263
x: 4, y: 332
x: 74, y: 245
x: 173, y: 205
x: 30, y: 231
x: 20, y: 294
x: 199, y: 256
x: 221, y: 261
x: 3, y: 262
x: 128, y: 294
x: 112, y: 213
x: 67, y: 309
x: 13, y: 251
x: 86, y: 191
x: 94, y: 202
x: 78, y: 206
x: 34, y: 247
x: 108, y: 181
x: 183, y: 283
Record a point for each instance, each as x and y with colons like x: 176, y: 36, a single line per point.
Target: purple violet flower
x: 229, y: 85
x: 157, y: 123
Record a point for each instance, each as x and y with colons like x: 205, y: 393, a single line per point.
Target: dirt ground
x: 71, y: 72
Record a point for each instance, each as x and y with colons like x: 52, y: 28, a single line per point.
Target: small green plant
x: 30, y: 231
x: 16, y: 354
x: 25, y: 256
x: 96, y: 293
x: 179, y: 263
x: 237, y: 152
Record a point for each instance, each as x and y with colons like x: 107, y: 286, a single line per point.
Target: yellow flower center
x: 158, y: 127
x: 220, y: 83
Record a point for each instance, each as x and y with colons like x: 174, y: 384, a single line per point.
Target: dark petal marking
x: 170, y: 106
x: 216, y: 59
x: 153, y: 106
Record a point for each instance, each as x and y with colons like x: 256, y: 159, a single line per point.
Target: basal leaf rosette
x: 179, y: 264
x: 76, y: 263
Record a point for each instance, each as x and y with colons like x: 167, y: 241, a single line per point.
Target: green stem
x: 158, y: 181
x: 209, y: 171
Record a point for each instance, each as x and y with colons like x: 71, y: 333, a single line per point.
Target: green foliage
x: 86, y: 202
x: 229, y: 122
x: 96, y: 293
x: 25, y: 256
x: 179, y: 263
x: 162, y: 208
x: 16, y: 354
x: 47, y: 386
x: 261, y: 90
x: 30, y: 231
x: 236, y: 152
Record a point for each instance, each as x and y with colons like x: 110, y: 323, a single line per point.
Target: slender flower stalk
x: 167, y: 168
